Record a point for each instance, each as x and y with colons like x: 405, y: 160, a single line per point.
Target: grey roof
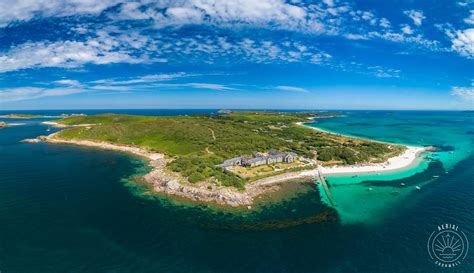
x: 257, y: 157
x: 273, y: 152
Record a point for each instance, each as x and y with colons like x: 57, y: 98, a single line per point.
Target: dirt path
x: 212, y: 132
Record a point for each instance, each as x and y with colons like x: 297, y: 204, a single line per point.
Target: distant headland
x: 233, y: 156
x: 29, y: 116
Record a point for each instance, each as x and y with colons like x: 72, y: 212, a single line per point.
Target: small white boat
x: 435, y: 176
x: 418, y: 188
x: 369, y: 189
x: 49, y: 129
x: 402, y: 184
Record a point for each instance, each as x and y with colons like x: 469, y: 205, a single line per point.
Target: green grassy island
x: 196, y: 144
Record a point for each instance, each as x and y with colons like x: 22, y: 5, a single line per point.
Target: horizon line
x: 240, y: 109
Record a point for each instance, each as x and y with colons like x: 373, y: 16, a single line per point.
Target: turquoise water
x: 382, y: 192
x: 73, y: 209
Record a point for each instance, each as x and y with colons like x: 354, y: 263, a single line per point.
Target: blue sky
x: 271, y: 54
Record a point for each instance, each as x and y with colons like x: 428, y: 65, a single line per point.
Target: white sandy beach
x: 405, y: 160
x: 58, y: 125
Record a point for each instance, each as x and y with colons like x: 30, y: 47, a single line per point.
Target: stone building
x: 260, y: 159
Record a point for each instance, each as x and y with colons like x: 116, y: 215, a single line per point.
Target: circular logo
x: 448, y: 245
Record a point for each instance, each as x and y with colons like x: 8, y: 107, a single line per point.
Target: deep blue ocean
x: 73, y: 209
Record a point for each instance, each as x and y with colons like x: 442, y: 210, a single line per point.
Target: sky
x: 237, y: 54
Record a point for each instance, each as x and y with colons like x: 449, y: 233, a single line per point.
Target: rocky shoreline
x: 170, y: 183
x: 174, y: 184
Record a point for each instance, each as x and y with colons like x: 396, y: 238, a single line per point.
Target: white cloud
x: 28, y: 93
x: 263, y: 13
x: 117, y: 87
x: 154, y: 86
x: 384, y: 22
x: 24, y: 10
x: 381, y: 72
x: 151, y: 82
x: 123, y: 46
x: 329, y: 2
x: 68, y: 82
x: 464, y: 93
x: 351, y: 36
x: 143, y: 79
x: 142, y: 83
x: 416, y: 15
x: 209, y: 86
x: 417, y: 40
x: 462, y: 41
x: 464, y: 3
x: 365, y: 69
x: 316, y: 18
x: 470, y: 20
x: 407, y: 29
x: 291, y: 88
x: 102, y: 49
x: 60, y: 54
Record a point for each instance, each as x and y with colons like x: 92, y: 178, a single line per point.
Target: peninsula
x: 232, y: 157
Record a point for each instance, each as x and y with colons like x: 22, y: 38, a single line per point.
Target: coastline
x: 58, y: 125
x: 407, y: 159
x: 173, y: 184
x: 170, y: 183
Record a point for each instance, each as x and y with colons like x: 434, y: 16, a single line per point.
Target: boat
x: 402, y: 184
x: 369, y: 189
x: 49, y: 129
x: 418, y: 188
x: 435, y: 176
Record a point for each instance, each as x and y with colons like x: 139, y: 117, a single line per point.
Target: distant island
x: 233, y: 156
x: 30, y: 116
x: 4, y: 124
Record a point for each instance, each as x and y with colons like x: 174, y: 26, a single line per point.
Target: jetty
x: 324, y: 183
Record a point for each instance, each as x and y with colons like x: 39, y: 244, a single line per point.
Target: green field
x: 197, y: 143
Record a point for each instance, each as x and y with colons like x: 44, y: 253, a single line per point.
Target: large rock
x: 173, y: 185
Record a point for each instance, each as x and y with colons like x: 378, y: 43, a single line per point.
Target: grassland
x: 198, y: 143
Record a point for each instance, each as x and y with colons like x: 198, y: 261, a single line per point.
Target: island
x: 30, y: 116
x: 3, y: 124
x: 233, y: 156
x: 20, y: 116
